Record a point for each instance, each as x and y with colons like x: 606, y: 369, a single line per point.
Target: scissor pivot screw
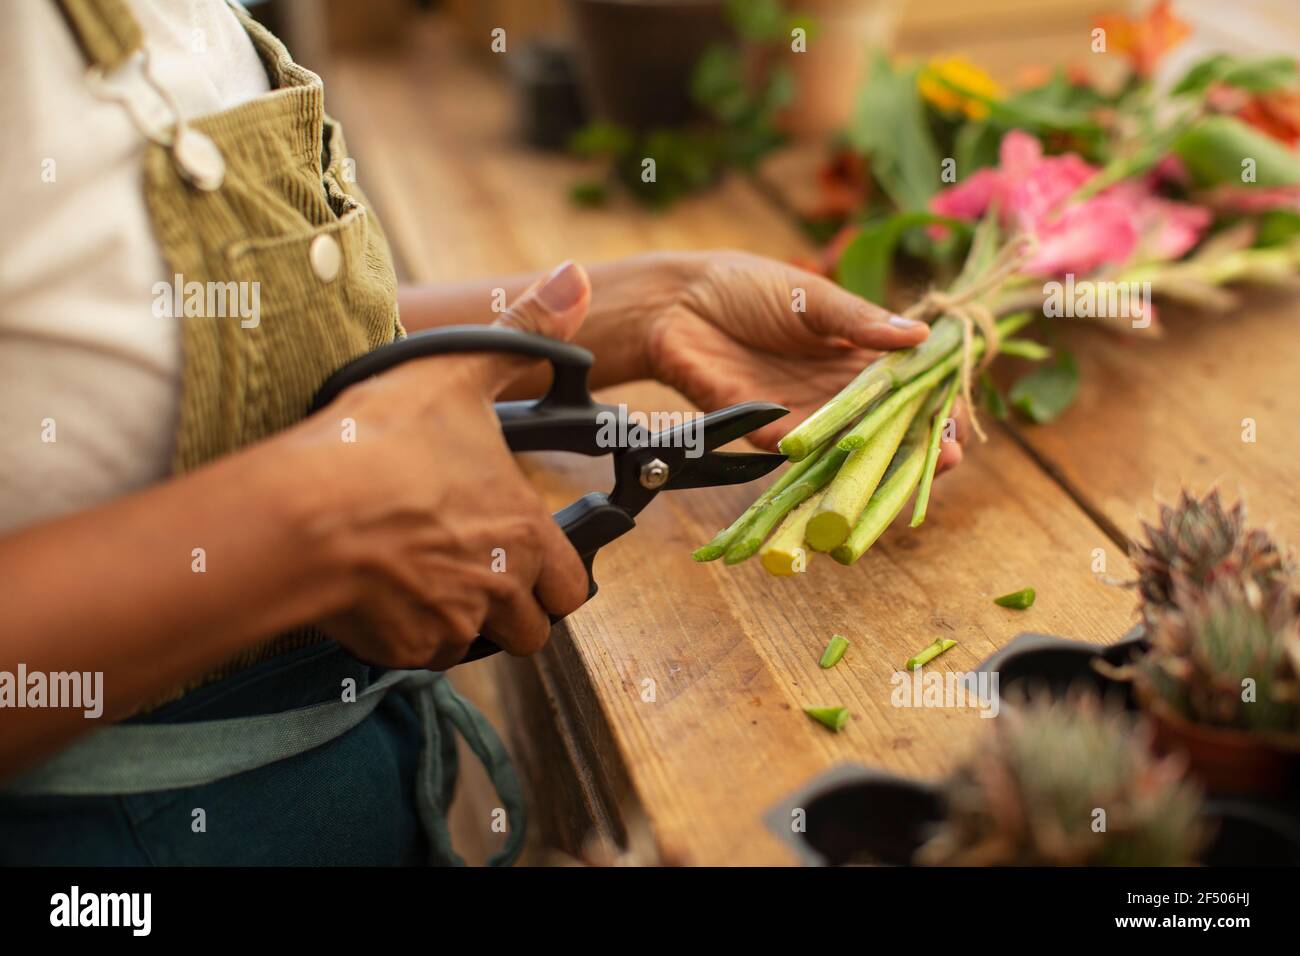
x: 654, y: 474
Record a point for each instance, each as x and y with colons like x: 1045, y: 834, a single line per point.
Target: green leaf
x: 891, y: 127
x: 864, y: 265
x: 976, y: 146
x: 718, y: 84
x: 1258, y: 75
x: 757, y: 19
x: 1216, y: 149
x: 602, y: 139
x: 1045, y: 392
x: 1025, y: 348
x: 993, y: 400
x: 1277, y: 227
x: 589, y: 193
x: 1019, y: 600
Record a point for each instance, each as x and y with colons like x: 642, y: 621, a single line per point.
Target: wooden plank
x: 732, y: 653
x: 1154, y: 415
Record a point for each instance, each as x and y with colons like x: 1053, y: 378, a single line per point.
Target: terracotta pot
x: 829, y: 74
x: 1227, y: 762
x: 636, y: 57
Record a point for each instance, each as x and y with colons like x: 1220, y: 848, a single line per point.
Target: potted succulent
x: 1068, y: 783
x: 1061, y: 781
x: 1221, y: 677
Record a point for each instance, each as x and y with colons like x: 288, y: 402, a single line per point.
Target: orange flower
x: 1144, y: 39
x: 1277, y: 113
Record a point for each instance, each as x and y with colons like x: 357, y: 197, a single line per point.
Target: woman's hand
x: 441, y: 534
x: 744, y: 327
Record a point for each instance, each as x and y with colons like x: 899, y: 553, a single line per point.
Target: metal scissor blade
x: 724, y: 468
x: 720, y: 427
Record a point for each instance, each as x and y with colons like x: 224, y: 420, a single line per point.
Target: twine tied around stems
x: 967, y: 307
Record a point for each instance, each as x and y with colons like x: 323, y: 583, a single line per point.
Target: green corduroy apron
x: 258, y: 194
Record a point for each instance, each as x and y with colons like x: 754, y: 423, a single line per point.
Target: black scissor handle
x: 564, y: 419
x: 570, y: 363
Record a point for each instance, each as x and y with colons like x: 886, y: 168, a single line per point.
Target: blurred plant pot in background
x: 635, y: 57
x: 830, y: 74
x: 1227, y: 761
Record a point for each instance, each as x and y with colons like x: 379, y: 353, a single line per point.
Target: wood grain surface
x: 731, y: 653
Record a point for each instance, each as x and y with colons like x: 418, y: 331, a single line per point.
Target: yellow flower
x: 957, y: 85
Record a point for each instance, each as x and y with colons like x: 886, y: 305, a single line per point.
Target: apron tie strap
x: 144, y: 758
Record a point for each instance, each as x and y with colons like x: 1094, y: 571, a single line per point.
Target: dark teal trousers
x: 348, y: 802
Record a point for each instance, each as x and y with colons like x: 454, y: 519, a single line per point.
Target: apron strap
x: 440, y: 706
x: 144, y: 758
x: 107, y: 32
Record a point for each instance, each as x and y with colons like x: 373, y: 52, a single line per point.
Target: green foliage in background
x: 741, y: 126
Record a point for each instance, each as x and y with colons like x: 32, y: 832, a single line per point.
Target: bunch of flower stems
x: 859, y: 458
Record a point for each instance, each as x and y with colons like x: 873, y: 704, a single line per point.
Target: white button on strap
x: 326, y: 257
x: 198, y: 159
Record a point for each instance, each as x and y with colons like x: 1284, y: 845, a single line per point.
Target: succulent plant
x: 1030, y: 795
x: 1199, y: 541
x: 1227, y: 655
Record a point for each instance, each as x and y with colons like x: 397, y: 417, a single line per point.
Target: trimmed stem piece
x: 930, y: 653
x: 897, y: 486
x: 784, y: 554
x: 847, y: 496
x: 932, y: 453
x: 834, y: 651
x: 724, y: 538
x: 810, y: 481
x: 1019, y: 600
x: 833, y: 717
x: 883, y: 375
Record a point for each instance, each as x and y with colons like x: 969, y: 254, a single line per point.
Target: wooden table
x: 731, y: 653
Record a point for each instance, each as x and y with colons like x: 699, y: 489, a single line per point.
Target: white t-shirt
x: 83, y: 358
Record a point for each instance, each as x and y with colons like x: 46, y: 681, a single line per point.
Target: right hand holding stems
x: 430, y: 492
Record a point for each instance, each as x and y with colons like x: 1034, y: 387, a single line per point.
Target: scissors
x: 567, y: 418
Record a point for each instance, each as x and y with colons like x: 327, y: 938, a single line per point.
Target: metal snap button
x: 326, y: 257
x: 198, y: 159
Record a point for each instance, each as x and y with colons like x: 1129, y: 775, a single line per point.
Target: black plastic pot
x: 853, y: 814
x: 546, y: 87
x: 636, y: 57
x: 1042, y: 662
x: 1228, y: 763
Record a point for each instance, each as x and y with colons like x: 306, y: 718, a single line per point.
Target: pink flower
x: 1031, y: 193
x: 1165, y: 229
x: 1084, y: 237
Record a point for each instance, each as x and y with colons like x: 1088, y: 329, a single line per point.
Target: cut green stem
x: 882, y: 412
x: 930, y: 653
x: 784, y: 554
x: 834, y: 651
x: 848, y: 494
x: 810, y: 481
x: 833, y: 717
x: 940, y: 422
x: 724, y: 538
x: 880, y: 377
x: 1017, y: 599
x: 895, y: 488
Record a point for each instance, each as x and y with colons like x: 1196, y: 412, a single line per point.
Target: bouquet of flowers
x: 1068, y: 198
